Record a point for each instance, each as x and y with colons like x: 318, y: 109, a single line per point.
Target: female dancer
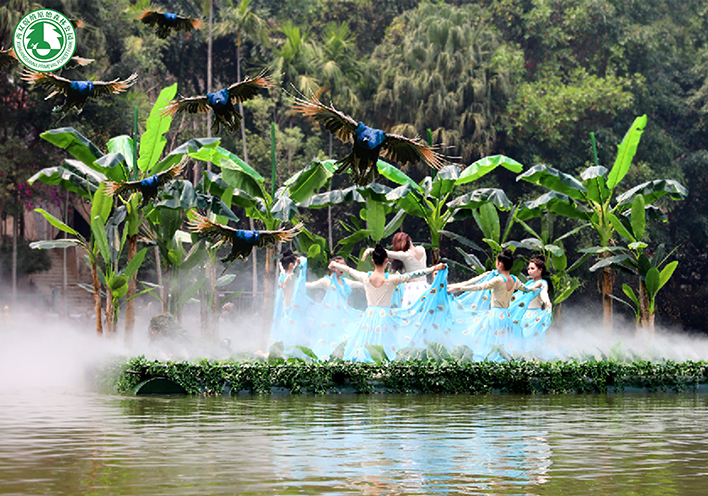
x: 332, y: 316
x: 380, y: 324
x: 531, y: 312
x: 407, y: 258
x: 494, y: 326
x: 290, y: 321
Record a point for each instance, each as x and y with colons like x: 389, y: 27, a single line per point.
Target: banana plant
x: 432, y: 199
x: 553, y: 249
x: 90, y: 167
x: 591, y: 198
x: 653, y: 271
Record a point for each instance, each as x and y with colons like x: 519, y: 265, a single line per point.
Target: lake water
x: 71, y: 442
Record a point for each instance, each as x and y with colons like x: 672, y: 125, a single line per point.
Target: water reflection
x: 68, y: 442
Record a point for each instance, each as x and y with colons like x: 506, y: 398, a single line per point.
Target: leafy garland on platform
x: 297, y: 376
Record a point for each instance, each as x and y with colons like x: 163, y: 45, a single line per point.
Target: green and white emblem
x: 44, y: 40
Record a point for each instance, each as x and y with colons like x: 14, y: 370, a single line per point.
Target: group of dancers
x: 488, y: 313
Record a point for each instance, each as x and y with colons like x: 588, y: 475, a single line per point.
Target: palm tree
x: 439, y: 69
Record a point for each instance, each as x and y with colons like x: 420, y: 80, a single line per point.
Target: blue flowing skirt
x: 378, y: 326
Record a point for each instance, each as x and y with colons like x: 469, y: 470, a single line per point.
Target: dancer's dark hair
x: 540, y: 262
x: 506, y: 257
x: 288, y: 258
x: 401, y: 242
x: 379, y: 256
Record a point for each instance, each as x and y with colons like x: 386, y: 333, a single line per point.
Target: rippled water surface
x: 68, y: 443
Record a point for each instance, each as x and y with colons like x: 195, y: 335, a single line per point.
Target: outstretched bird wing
x: 7, y: 57
x: 242, y: 241
x: 336, y: 122
x: 248, y: 88
x: 280, y: 236
x: 157, y: 180
x: 192, y: 105
x: 49, y: 81
x: 57, y: 84
x: 409, y: 151
x: 116, y: 86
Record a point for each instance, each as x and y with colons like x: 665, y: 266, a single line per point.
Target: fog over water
x: 49, y: 352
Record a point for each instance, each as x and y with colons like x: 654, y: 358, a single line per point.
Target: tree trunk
x: 268, y: 293
x: 97, y: 298
x: 110, y: 314
x: 163, y: 292
x: 64, y: 277
x: 132, y: 286
x: 607, y: 281
x: 329, y: 208
x: 214, y: 310
x: 646, y: 319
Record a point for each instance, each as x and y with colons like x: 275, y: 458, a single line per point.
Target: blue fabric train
x: 530, y: 320
x: 291, y: 319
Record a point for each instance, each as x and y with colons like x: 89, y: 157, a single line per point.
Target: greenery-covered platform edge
x: 209, y: 377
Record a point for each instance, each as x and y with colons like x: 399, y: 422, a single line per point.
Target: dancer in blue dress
x: 291, y: 323
x: 406, y: 258
x: 532, y: 312
x: 493, y: 327
x: 332, y: 317
x: 380, y: 324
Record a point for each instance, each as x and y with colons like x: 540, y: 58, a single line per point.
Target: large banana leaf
x: 177, y: 195
x: 101, y: 204
x: 57, y: 223
x: 487, y: 164
x: 124, y: 145
x: 445, y: 181
x: 487, y: 219
x: 410, y: 200
x: 375, y: 219
x: 73, y: 176
x: 321, y: 200
x: 394, y: 224
x: 461, y: 239
x: 235, y: 171
x: 554, y: 202
x: 308, y: 181
x: 75, y: 143
x: 176, y: 155
x: 113, y: 166
x: 153, y: 141
x: 394, y: 174
x: 626, y: 151
x: 215, y: 205
x: 614, y: 260
x: 651, y: 191
x: 555, y: 180
x: 638, y: 217
x: 55, y: 243
x: 596, y: 184
x: 479, y: 197
x: 284, y: 208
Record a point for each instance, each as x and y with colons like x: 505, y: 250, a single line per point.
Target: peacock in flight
x: 368, y: 142
x: 148, y: 186
x: 222, y: 102
x: 76, y: 92
x: 242, y: 242
x: 167, y: 22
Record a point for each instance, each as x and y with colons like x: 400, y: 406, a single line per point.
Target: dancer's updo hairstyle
x: 506, y: 257
x: 288, y: 258
x: 379, y: 256
x: 401, y: 242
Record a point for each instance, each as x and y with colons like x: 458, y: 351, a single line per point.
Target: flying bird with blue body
x: 242, y: 241
x: 222, y: 102
x: 167, y: 22
x: 148, y: 186
x: 368, y: 143
x: 76, y: 92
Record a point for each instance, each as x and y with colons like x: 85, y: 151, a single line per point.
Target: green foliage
x: 451, y: 375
